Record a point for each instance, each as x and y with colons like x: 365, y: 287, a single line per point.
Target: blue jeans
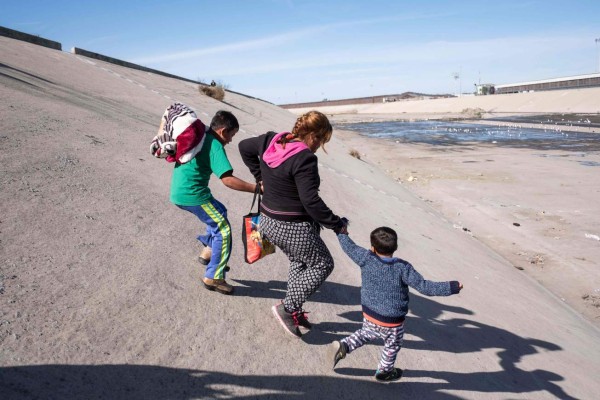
x: 217, y: 237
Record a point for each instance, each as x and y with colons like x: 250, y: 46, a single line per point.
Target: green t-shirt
x: 189, y: 184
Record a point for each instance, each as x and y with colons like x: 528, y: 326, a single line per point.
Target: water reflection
x: 450, y: 133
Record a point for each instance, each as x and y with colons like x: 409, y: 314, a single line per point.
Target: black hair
x: 224, y: 119
x: 384, y: 240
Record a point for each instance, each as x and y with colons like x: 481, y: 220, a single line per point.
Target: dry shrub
x: 354, y: 153
x: 474, y: 113
x: 216, y: 92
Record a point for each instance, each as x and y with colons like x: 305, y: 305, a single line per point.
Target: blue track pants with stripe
x: 217, y: 237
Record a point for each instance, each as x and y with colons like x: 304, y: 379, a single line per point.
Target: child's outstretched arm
x: 355, y: 252
x: 429, y: 288
x: 235, y: 183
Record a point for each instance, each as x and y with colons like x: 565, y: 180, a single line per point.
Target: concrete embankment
x: 26, y: 37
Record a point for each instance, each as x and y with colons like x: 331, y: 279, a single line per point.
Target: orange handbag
x: 255, y: 245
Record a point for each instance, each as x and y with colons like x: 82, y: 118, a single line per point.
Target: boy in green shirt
x: 190, y: 192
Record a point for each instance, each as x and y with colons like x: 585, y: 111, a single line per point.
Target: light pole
x: 597, y: 52
x: 460, y: 81
x: 456, y: 76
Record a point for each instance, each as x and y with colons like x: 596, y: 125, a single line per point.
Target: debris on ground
x: 592, y: 299
x: 536, y: 259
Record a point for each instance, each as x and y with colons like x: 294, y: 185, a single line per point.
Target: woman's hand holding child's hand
x: 344, y: 228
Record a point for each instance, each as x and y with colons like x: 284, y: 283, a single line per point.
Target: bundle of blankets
x: 180, y: 135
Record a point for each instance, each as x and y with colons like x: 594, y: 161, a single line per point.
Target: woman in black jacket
x: 292, y: 212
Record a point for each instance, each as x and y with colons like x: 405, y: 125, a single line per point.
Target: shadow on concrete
x: 142, y: 382
x: 326, y: 332
x: 135, y: 382
x: 18, y: 80
x: 428, y: 329
x: 8, y: 67
x: 428, y: 332
x: 329, y: 292
x: 460, y: 335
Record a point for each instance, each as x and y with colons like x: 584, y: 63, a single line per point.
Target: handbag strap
x: 256, y: 194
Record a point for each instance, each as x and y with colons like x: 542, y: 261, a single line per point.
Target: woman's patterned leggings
x: 392, y: 338
x: 310, y: 260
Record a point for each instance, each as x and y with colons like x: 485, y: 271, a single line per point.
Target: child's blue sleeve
x: 414, y: 279
x: 355, y: 252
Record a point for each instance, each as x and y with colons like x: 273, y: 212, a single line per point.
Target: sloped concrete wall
x: 91, y: 54
x: 26, y: 37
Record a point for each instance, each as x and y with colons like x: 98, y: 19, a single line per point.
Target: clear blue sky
x: 287, y: 51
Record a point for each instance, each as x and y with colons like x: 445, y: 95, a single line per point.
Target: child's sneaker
x: 337, y: 351
x: 286, y: 320
x: 389, y: 376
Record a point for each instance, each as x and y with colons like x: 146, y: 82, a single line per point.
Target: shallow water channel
x: 444, y: 133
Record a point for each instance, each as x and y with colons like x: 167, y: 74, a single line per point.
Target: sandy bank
x: 537, y: 208
x: 585, y: 101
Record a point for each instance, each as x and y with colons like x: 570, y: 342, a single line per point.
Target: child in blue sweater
x: 384, y: 298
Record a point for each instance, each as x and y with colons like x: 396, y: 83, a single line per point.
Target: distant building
x: 366, y: 100
x: 484, y: 89
x: 569, y: 82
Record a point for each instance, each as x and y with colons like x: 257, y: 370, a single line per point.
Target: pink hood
x: 275, y: 154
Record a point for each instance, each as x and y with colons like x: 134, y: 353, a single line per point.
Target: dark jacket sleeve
x: 251, y: 150
x: 306, y: 176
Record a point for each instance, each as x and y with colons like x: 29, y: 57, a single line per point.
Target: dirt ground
x: 536, y: 207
